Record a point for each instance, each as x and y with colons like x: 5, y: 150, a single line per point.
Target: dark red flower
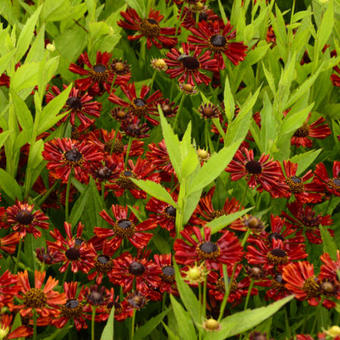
x: 149, y: 28
x: 293, y: 185
x: 142, y: 169
x: 187, y: 65
x: 98, y: 77
x: 302, y: 136
x: 80, y: 105
x: 335, y: 76
x: 125, y: 226
x: 205, y: 211
x: 72, y: 249
x: 263, y: 174
x: 73, y: 308
x: 216, y: 37
x: 332, y: 185
x: 140, y: 106
x: 6, y: 331
x: 9, y: 243
x: 275, y: 253
x: 134, y: 128
x: 301, y: 281
x: 168, y: 283
x: 128, y: 269
x: 226, y: 250
x: 66, y: 155
x: 8, y: 288
x: 21, y: 217
x: 306, y: 219
x: 188, y: 16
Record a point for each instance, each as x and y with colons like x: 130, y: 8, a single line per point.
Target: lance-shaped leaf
x: 328, y: 243
x: 325, y: 28
x: 304, y: 160
x: 243, y: 321
x: 108, y: 331
x: 229, y: 103
x: 22, y: 112
x: 213, y: 167
x: 50, y: 114
x: 10, y: 186
x: 156, y: 190
x: 220, y: 222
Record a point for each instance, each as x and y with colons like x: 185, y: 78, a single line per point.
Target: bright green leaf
x: 304, y: 160
x: 108, y: 331
x: 329, y: 245
x: 10, y: 186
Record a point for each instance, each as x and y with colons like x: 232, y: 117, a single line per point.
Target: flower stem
x: 248, y: 294
x: 67, y: 197
x: 205, y: 296
x: 133, y: 325
x: 92, y: 321
x: 18, y: 256
x: 179, y: 111
x: 128, y: 151
x: 34, y: 324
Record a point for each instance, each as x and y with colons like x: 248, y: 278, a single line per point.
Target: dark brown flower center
x: 170, y: 211
x: 99, y: 68
x: 136, y: 268
x: 103, y: 264
x: 96, y: 298
x: 275, y: 236
x: 78, y: 242
x: 310, y: 221
x: 125, y: 228
x: 277, y: 256
x: 311, y: 287
x: 24, y: 217
x: 203, y: 16
x: 218, y: 40
x: 189, y: 62
x: 72, y: 309
x: 254, y: 167
x: 103, y: 259
x: 35, y: 298
x: 104, y: 173
x: 207, y: 250
x: 73, y: 254
x: 208, y: 110
x: 139, y: 102
x: 137, y: 300
x: 278, y: 252
x: 334, y: 183
x: 303, y: 131
x: 150, y: 28
x: 168, y: 274
x: 295, y: 184
x: 72, y: 304
x: 73, y: 156
x: 124, y: 180
x: 74, y: 103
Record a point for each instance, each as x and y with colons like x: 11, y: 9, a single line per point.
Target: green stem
x: 92, y: 321
x: 245, y: 237
x: 67, y: 197
x: 47, y: 193
x: 34, y: 324
x: 200, y: 299
x: 179, y: 111
x: 205, y: 297
x: 103, y: 189
x: 133, y: 324
x: 248, y: 294
x: 18, y: 256
x: 128, y: 151
x: 244, y: 197
x: 228, y: 286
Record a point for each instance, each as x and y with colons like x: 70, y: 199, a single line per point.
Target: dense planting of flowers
x: 170, y: 169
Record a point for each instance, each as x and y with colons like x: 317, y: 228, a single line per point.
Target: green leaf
x: 229, y: 104
x: 268, y: 125
x: 156, y: 190
x: 190, y: 204
x: 328, y: 243
x: 37, y: 51
x: 304, y: 160
x: 26, y: 35
x: 213, y: 167
x: 220, y: 222
x: 108, y: 331
x: 188, y: 297
x: 295, y: 120
x: 56, y: 10
x: 243, y: 321
x: 79, y: 206
x: 5, y: 60
x: 270, y: 79
x: 10, y: 186
x: 172, y: 143
x: 22, y: 112
x: 3, y: 137
x: 171, y: 334
x: 147, y: 328
x: 183, y: 320
x: 139, y: 6
x: 50, y: 114
x: 223, y: 15
x: 325, y: 28
x: 257, y: 54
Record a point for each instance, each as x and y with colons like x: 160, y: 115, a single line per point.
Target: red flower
x: 297, y: 186
x: 263, y: 173
x: 73, y: 308
x: 303, y: 134
x: 6, y: 329
x: 72, y: 250
x: 205, y: 212
x: 142, y: 169
x: 330, y: 267
x: 127, y: 269
x: 301, y: 281
x: 133, y: 127
x: 274, y: 254
x: 188, y: 67
x: 148, y: 28
x: 332, y: 185
x: 21, y: 218
x: 139, y: 106
x: 226, y: 250
x: 188, y: 17
x: 164, y: 215
x: 64, y: 155
x: 216, y: 37
x: 9, y: 243
x: 80, y: 106
x: 98, y: 77
x: 45, y: 300
x: 168, y: 283
x: 305, y: 218
x: 123, y: 227
x: 8, y: 288
x: 335, y: 76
